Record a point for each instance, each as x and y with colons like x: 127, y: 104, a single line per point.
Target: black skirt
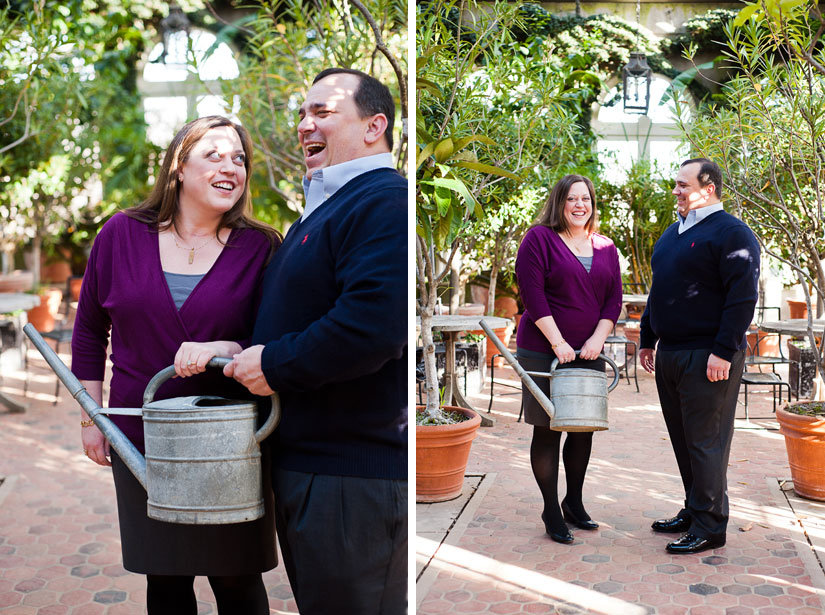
x: 533, y: 361
x: 157, y: 547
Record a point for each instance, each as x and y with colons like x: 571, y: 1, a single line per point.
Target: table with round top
x: 795, y: 327
x: 450, y: 326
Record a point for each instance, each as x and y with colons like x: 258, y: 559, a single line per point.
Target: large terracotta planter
x: 471, y: 309
x: 74, y: 287
x: 762, y: 344
x: 805, y: 443
x: 441, y: 454
x: 506, y: 307
x: 44, y: 316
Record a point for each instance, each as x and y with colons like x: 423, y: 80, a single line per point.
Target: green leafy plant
x: 769, y: 138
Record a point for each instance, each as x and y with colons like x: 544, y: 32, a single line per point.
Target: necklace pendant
x: 191, y: 255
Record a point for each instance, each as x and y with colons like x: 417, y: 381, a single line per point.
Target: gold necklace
x: 192, y: 249
x: 576, y: 247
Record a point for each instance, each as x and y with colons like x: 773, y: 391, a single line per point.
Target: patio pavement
x: 59, y: 538
x: 486, y: 552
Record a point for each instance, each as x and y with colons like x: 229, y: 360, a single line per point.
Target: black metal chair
x: 755, y: 356
x: 763, y: 379
x: 516, y: 385
x: 614, y: 339
x: 439, y: 350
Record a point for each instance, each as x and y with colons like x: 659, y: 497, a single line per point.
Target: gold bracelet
x: 88, y: 423
x: 554, y: 346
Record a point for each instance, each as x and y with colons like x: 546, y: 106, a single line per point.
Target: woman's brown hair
x: 160, y: 209
x: 553, y: 213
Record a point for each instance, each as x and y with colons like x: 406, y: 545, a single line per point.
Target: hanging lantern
x: 636, y: 77
x: 176, y: 21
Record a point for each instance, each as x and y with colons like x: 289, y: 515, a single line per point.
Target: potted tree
x: 473, y: 80
x: 773, y: 106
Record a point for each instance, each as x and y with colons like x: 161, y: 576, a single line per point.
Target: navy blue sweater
x: 705, y: 287
x: 333, y: 320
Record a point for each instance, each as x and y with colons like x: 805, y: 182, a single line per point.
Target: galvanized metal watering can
x: 203, y: 459
x: 578, y: 396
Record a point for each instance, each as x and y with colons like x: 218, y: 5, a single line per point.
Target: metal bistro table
x: 450, y: 326
x: 9, y: 304
x: 796, y: 327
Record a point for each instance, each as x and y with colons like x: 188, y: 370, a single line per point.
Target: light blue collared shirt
x: 695, y: 216
x: 326, y: 182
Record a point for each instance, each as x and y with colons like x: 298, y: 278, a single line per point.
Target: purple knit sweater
x: 124, y: 289
x: 552, y: 282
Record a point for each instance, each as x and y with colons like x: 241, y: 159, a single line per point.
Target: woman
x: 569, y: 280
x: 178, y: 270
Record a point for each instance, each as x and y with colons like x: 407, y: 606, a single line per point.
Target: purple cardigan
x: 124, y: 290
x: 552, y: 282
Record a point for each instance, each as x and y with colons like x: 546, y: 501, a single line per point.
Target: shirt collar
x: 695, y: 216
x: 326, y: 182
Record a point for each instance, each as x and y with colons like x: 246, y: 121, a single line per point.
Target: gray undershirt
x: 181, y: 285
x: 587, y: 261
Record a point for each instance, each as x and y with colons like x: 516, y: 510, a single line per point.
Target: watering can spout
x: 543, y: 400
x: 124, y: 448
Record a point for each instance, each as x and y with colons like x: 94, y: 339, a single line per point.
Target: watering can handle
x: 601, y: 356
x: 219, y: 362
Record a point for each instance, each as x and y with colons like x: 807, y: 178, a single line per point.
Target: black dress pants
x: 343, y: 542
x: 699, y: 417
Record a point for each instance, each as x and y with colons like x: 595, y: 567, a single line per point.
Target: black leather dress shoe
x: 564, y: 539
x: 674, y: 525
x: 582, y: 524
x: 691, y: 543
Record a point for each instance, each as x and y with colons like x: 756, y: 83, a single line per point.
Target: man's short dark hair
x: 709, y: 173
x: 371, y: 97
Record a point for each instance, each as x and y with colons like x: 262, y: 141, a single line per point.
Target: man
x: 331, y: 338
x: 702, y: 299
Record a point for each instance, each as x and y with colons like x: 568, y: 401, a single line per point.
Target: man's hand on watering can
x: 246, y: 369
x: 95, y: 445
x: 192, y: 357
x: 647, y: 356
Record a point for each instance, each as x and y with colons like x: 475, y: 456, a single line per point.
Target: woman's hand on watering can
x: 564, y: 352
x: 592, y: 349
x: 192, y: 357
x: 95, y: 445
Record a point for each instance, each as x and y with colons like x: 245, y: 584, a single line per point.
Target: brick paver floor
x: 497, y: 559
x: 59, y: 538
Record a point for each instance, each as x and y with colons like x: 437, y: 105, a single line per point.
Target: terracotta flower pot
x: 74, y: 288
x: 44, y: 315
x: 471, y: 309
x: 805, y: 443
x: 441, y: 454
x: 798, y: 309
x: 504, y: 335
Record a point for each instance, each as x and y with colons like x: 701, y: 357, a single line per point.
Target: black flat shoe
x: 564, y: 539
x: 582, y: 524
x: 691, y: 543
x: 674, y: 525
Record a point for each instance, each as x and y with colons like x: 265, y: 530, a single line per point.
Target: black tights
x: 235, y: 595
x: 544, y: 458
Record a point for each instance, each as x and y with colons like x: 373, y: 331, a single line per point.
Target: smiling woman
x: 182, y: 267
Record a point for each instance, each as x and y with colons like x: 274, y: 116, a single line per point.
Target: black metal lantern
x: 176, y: 21
x: 636, y: 77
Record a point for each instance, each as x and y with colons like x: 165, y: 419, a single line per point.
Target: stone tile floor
x: 59, y: 539
x: 487, y: 552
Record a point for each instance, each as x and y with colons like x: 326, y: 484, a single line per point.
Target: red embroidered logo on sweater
x: 305, y: 239
x: 692, y: 243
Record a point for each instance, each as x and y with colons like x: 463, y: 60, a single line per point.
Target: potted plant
x: 779, y: 192
x: 476, y: 79
x: 803, y: 425
x: 44, y: 316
